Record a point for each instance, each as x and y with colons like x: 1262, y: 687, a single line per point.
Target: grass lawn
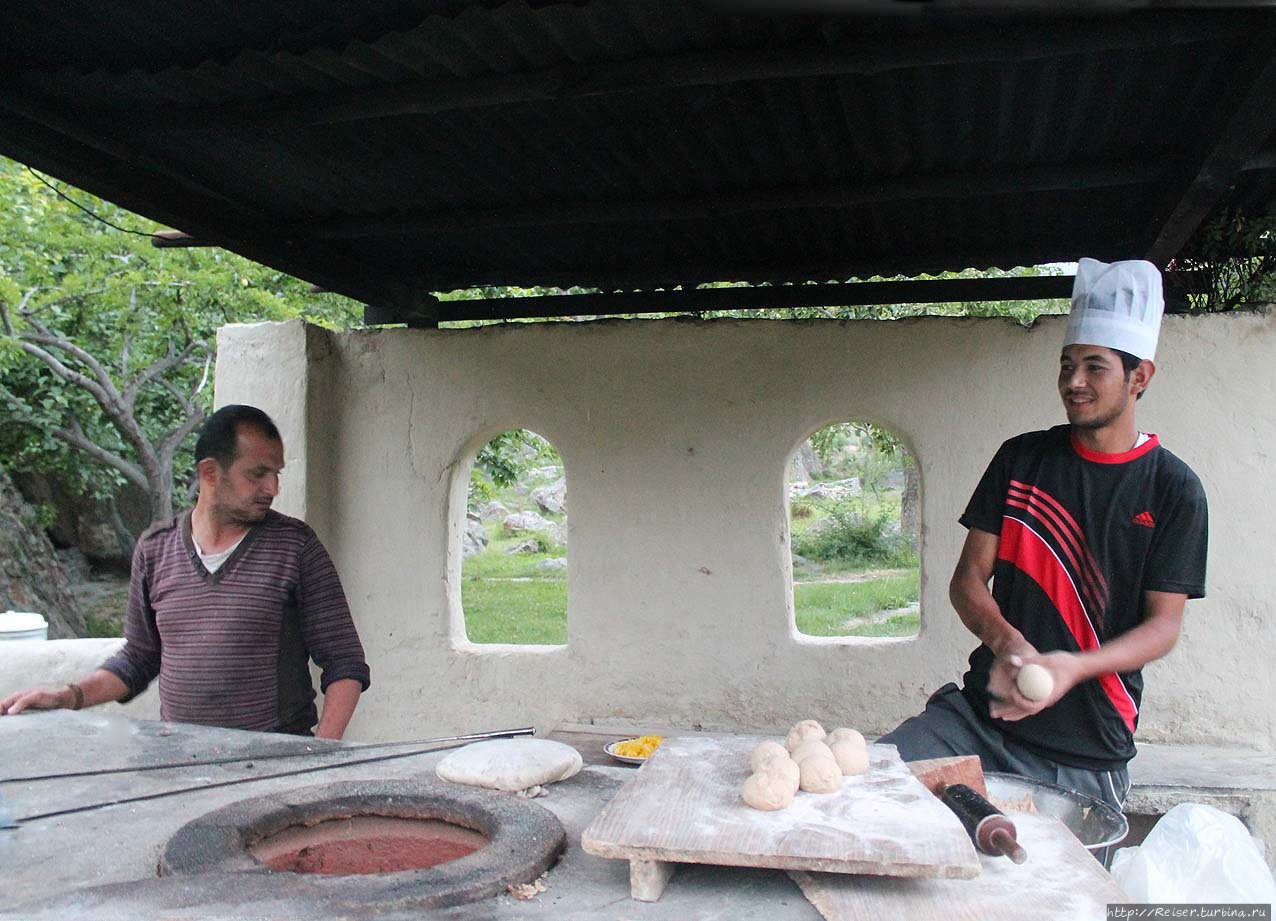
x: 500, y: 611
x: 534, y: 610
x: 495, y: 563
x: 822, y: 608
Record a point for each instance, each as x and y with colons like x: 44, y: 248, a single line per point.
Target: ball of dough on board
x: 785, y: 768
x: 765, y: 751
x: 820, y: 775
x: 767, y: 791
x: 807, y: 729
x: 1035, y: 683
x: 843, y: 735
x: 851, y: 758
x: 811, y: 747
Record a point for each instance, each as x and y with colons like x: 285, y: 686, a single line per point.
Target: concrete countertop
x: 101, y: 864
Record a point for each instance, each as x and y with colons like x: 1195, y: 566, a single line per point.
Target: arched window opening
x: 854, y: 526
x: 514, y: 544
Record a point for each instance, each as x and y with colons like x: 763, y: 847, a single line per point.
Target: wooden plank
x: 1061, y: 880
x: 937, y: 773
x: 684, y: 806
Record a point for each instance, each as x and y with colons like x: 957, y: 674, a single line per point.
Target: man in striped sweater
x: 229, y: 602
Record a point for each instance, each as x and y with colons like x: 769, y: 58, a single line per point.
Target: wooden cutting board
x: 684, y: 806
x: 1061, y: 880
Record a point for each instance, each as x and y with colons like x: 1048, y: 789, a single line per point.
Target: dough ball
x: 785, y: 768
x: 765, y: 751
x: 807, y: 729
x: 844, y: 734
x: 811, y: 747
x: 851, y: 757
x: 767, y: 791
x: 820, y: 775
x: 1035, y: 683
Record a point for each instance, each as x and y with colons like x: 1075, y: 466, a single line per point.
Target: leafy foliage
x: 505, y: 458
x: 109, y: 292
x: 854, y: 536
x: 1232, y: 261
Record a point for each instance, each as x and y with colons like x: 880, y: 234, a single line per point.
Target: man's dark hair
x: 217, y: 437
x: 1129, y: 363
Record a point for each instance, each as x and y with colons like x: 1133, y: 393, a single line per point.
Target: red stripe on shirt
x: 1027, y: 550
x: 1091, y: 569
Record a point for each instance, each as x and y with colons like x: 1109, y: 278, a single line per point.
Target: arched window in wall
x: 514, y: 546
x: 854, y: 526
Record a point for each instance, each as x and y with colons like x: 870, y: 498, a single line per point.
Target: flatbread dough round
x: 851, y: 757
x: 510, y: 764
x: 844, y: 734
x: 768, y: 791
x: 807, y: 729
x: 785, y: 768
x: 765, y: 751
x: 820, y: 775
x: 811, y: 747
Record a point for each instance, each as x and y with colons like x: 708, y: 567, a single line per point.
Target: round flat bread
x: 510, y: 764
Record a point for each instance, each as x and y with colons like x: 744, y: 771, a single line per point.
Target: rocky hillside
x: 31, y: 577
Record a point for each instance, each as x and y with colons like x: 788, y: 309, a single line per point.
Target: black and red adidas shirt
x: 1082, y: 536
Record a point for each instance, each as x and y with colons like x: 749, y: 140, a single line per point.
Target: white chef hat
x: 1117, y: 305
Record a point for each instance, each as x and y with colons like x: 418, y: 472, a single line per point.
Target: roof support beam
x: 1241, y: 139
x: 412, y: 306
x: 772, y: 297
x: 970, y: 185
x: 995, y: 42
x: 939, y: 291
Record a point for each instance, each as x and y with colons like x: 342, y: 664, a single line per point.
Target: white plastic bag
x: 1195, y: 853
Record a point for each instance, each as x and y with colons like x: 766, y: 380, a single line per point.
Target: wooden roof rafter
x: 1238, y: 147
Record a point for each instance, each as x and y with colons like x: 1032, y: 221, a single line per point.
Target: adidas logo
x: 1145, y: 519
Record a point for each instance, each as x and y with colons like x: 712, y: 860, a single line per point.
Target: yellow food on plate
x: 641, y: 747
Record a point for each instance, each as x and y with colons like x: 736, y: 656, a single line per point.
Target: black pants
x: 950, y: 726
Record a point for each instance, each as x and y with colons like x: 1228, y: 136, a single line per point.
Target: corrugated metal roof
x: 383, y: 147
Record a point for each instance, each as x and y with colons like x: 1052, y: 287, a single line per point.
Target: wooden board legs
x: 648, y: 878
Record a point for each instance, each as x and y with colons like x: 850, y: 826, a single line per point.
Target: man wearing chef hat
x: 1094, y: 538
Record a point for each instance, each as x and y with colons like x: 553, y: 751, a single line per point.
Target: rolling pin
x: 987, y: 825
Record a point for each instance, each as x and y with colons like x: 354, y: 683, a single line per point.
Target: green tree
x: 106, y: 343
x: 1231, y: 262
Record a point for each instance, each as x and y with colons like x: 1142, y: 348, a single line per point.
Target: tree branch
x: 79, y: 296
x: 44, y: 336
x: 208, y: 363
x: 103, y: 391
x: 169, y: 361
x: 22, y: 308
x: 169, y: 444
x: 70, y: 375
x: 73, y: 435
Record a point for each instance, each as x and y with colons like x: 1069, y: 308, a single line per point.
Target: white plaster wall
x: 675, y: 437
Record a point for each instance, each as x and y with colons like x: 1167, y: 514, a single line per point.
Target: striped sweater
x: 231, y: 648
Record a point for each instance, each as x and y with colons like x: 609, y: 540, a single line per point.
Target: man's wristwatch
x: 77, y: 696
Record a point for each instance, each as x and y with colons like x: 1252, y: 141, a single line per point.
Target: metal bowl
x: 1096, y: 824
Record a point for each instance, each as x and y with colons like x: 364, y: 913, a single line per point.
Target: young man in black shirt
x: 1094, y: 537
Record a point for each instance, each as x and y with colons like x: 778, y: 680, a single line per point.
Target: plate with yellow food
x: 634, y: 750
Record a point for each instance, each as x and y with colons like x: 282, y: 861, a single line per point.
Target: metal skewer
x: 474, y: 736
x: 445, y: 743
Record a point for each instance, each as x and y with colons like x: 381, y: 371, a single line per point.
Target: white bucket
x: 23, y: 625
